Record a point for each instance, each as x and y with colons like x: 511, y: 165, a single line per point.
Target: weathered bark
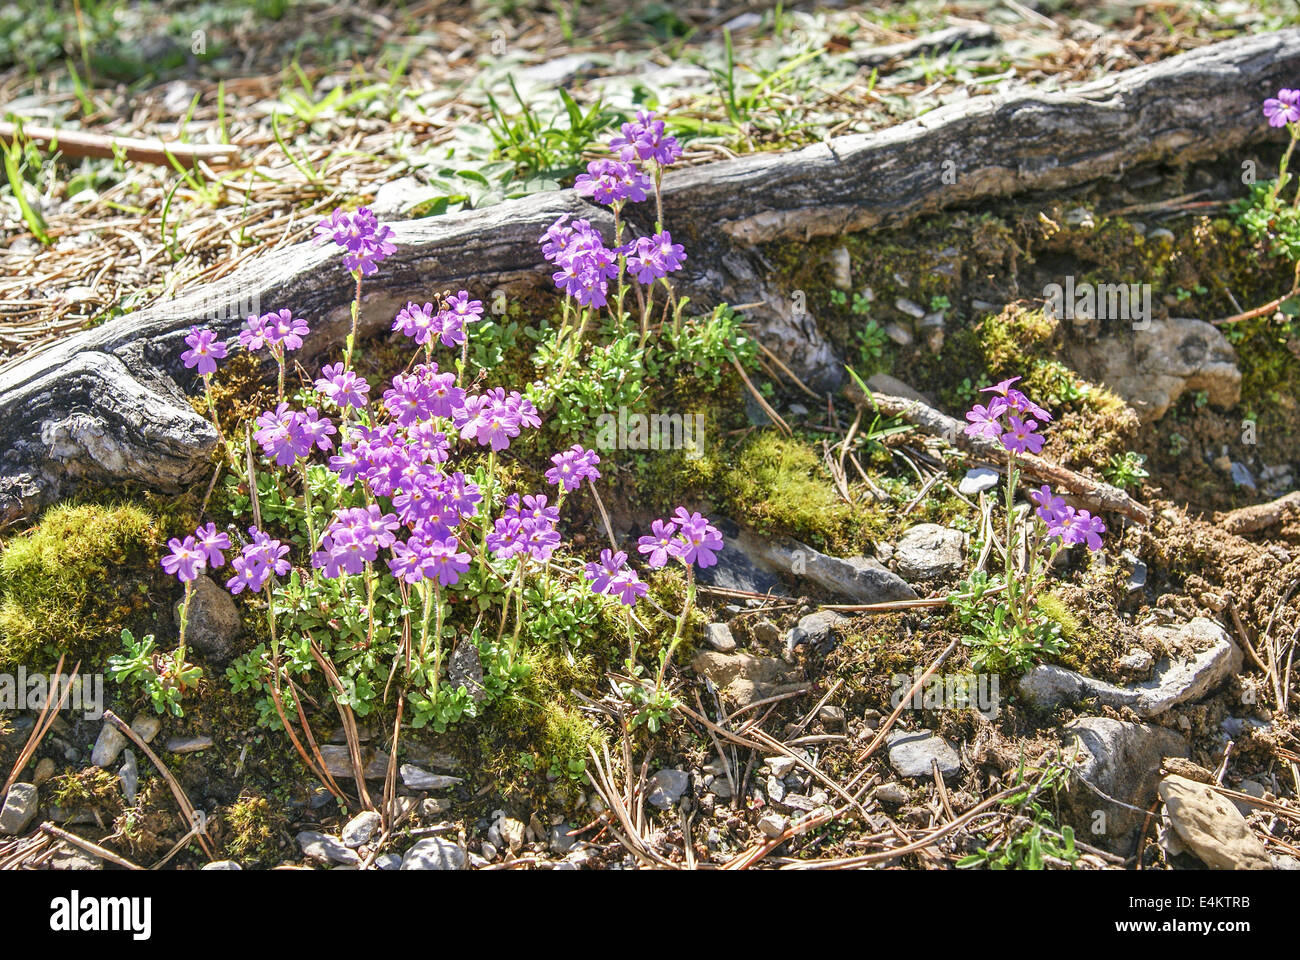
x: 1261, y: 516
x: 108, y: 405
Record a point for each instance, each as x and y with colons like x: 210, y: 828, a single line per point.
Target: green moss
x: 91, y: 788
x: 778, y: 484
x: 73, y: 580
x: 255, y: 829
x: 535, y: 741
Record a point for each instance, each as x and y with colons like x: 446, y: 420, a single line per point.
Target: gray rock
x: 929, y: 45
x: 841, y: 265
x: 910, y: 754
x: 374, y: 763
x: 73, y: 858
x: 553, y: 73
x: 745, y: 677
x: 488, y: 850
x: 893, y: 387
x: 108, y: 746
x: 892, y: 792
x: 388, y: 861
x: 775, y: 789
x: 854, y: 580
x: 780, y: 766
x: 1137, y: 661
x: 977, y: 481
x: 899, y: 334
x: 1207, y: 657
x: 829, y: 713
x: 772, y: 825
x: 188, y: 744
x: 667, y: 787
x: 513, y: 832
x: 465, y: 669
x: 361, y: 828
x: 736, y: 568
x: 129, y: 774
x: 1242, y: 476
x: 909, y: 307
x: 213, y: 624
x: 416, y: 778
x: 1252, y: 788
x: 718, y: 636
x: 1151, y: 368
x: 44, y: 770
x: 221, y: 865
x: 929, y: 551
x: 19, y: 808
x: 434, y: 853
x: 326, y: 849
x: 816, y: 630
x: 146, y: 726
x: 1211, y: 827
x: 561, y: 839
x: 1121, y: 760
x: 767, y: 633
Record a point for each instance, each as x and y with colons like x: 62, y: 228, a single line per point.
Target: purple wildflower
x: 360, y: 234
x: 984, y: 421
x: 572, y: 466
x: 612, y: 182
x: 698, y: 539
x: 343, y: 387
x: 1020, y: 436
x: 212, y: 541
x: 186, y: 560
x: 204, y: 351
x: 659, y: 543
x: 1283, y: 109
x: 1078, y: 526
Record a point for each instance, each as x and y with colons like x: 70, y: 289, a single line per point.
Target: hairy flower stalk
x: 1013, y: 419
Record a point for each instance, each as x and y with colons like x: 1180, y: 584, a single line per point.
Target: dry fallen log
x: 83, y: 143
x: 1261, y: 516
x: 108, y: 405
x: 1097, y: 496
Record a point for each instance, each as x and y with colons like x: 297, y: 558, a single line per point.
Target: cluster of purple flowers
x: 494, y: 418
x: 1065, y: 523
x: 428, y: 558
x: 342, y: 387
x: 1283, y: 109
x: 526, y: 526
x: 687, y: 536
x: 189, y: 557
x: 572, y: 466
x: 365, y: 241
x: 645, y: 139
x: 286, y: 435
x: 204, y: 351
x: 422, y: 394
x: 584, y: 264
x: 427, y: 323
x: 261, y: 556
x: 613, y: 181
x: 612, y: 577
x: 1009, y: 418
x: 279, y: 331
x: 353, y: 539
